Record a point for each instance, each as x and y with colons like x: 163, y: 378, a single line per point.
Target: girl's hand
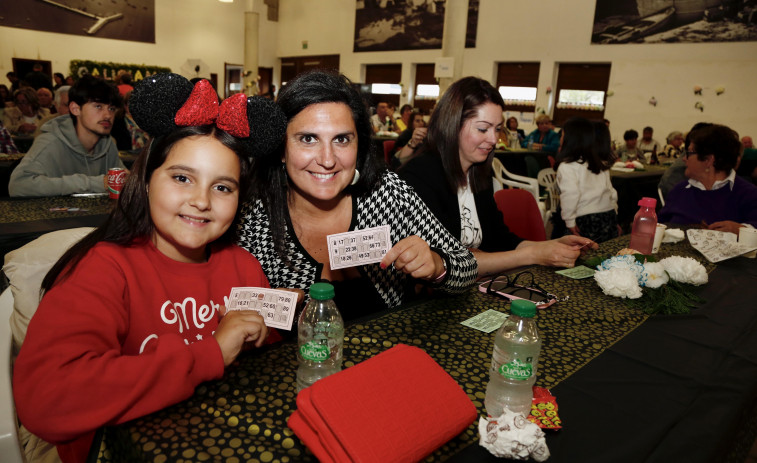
x: 575, y: 230
x: 413, y: 256
x: 236, y: 328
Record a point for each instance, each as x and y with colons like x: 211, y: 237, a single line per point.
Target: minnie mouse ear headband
x: 162, y: 103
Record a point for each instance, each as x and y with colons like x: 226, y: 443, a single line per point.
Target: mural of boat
x: 686, y: 11
x: 628, y: 32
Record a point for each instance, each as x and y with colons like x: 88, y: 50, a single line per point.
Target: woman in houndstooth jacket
x: 326, y: 180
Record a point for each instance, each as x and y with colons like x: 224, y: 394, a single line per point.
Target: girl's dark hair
x: 586, y: 142
x: 130, y: 220
x: 269, y: 177
x: 459, y: 103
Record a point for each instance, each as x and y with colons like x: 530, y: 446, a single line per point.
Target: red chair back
x: 521, y: 213
x: 388, y: 147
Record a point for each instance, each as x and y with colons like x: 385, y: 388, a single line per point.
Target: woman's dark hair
x: 413, y: 115
x: 458, y: 104
x: 507, y: 123
x: 270, y: 183
x: 586, y: 142
x: 720, y: 141
x: 130, y: 220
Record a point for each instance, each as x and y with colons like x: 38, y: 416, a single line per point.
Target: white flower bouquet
x: 657, y: 287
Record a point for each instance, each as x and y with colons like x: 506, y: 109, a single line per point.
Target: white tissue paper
x: 513, y: 436
x: 672, y: 235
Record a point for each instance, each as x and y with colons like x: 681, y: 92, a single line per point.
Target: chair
x: 10, y: 448
x: 548, y: 179
x: 388, y: 147
x: 662, y: 198
x: 502, y: 177
x: 521, y: 213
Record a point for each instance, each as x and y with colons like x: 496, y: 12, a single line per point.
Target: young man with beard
x: 74, y: 152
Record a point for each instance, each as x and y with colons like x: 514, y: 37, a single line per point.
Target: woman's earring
x: 355, y: 177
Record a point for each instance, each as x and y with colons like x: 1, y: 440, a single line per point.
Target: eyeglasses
x: 520, y: 286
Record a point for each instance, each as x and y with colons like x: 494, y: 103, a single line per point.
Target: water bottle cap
x: 322, y: 291
x: 647, y: 202
x: 523, y: 308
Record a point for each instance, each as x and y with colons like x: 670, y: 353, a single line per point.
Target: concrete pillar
x: 453, y: 43
x: 251, y: 46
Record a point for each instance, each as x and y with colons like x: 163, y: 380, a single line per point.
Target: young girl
x: 132, y: 317
x: 589, y: 202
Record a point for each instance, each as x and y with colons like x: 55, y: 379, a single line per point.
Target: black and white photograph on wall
x: 672, y: 21
x: 382, y: 25
x: 132, y: 20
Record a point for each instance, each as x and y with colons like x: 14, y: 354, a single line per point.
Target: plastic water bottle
x: 516, y: 354
x: 644, y: 226
x: 320, y: 331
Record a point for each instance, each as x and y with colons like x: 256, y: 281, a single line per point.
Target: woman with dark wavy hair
x: 453, y: 177
x: 326, y: 179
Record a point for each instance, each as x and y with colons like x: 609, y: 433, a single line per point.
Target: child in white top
x: 589, y: 202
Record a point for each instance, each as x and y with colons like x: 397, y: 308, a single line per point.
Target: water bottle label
x: 516, y: 370
x: 315, y: 352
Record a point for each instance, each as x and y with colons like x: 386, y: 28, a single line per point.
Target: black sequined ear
x: 156, y: 99
x: 268, y: 124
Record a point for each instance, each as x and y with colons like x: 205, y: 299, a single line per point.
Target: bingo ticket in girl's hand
x: 359, y: 247
x: 274, y: 305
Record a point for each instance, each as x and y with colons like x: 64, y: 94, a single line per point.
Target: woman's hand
x: 419, y: 135
x: 236, y: 328
x: 726, y: 226
x: 561, y: 252
x: 413, y: 256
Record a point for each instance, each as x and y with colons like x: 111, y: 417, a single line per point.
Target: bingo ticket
x: 274, y: 305
x: 359, y: 247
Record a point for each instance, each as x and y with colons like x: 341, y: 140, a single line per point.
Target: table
x: 625, y: 393
x: 24, y: 219
x: 7, y: 164
x: 631, y: 187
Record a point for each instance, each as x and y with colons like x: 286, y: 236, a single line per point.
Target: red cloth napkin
x: 398, y: 406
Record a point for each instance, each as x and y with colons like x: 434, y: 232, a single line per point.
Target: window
x: 426, y: 88
x: 384, y: 80
x: 517, y: 83
x: 581, y: 91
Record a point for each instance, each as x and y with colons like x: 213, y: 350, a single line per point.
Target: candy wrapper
x: 512, y: 436
x: 544, y: 410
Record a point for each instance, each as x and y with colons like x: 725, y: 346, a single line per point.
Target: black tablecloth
x: 631, y: 187
x: 622, y: 397
x: 515, y: 161
x: 678, y: 388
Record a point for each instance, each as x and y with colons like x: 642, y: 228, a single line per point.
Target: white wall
x: 560, y: 31
x: 507, y: 31
x: 184, y: 29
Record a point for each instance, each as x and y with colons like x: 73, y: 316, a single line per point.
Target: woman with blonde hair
x: 543, y: 138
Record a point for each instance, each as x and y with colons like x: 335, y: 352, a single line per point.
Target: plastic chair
x: 548, y: 179
x: 502, y: 177
x: 521, y: 214
x: 10, y: 449
x: 388, y: 147
x: 662, y: 198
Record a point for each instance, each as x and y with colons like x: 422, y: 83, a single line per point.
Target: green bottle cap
x: 322, y: 291
x: 523, y: 308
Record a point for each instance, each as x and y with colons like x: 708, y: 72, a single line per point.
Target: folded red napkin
x: 397, y: 406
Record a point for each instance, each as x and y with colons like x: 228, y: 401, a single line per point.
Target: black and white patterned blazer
x: 392, y: 203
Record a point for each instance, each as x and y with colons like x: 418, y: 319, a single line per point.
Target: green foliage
x: 109, y: 70
x: 672, y: 298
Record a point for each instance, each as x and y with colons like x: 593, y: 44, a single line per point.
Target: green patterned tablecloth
x: 243, y: 417
x: 17, y: 210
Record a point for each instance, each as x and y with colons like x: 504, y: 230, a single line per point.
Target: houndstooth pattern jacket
x: 392, y: 203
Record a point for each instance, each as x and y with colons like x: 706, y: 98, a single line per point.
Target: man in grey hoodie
x: 73, y: 152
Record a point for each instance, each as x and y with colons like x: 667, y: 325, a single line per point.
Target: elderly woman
x: 27, y: 116
x: 713, y: 195
x: 674, y: 149
x: 543, y: 138
x: 453, y: 177
x: 326, y: 180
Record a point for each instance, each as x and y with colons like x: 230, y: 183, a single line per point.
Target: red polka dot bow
x: 201, y: 108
